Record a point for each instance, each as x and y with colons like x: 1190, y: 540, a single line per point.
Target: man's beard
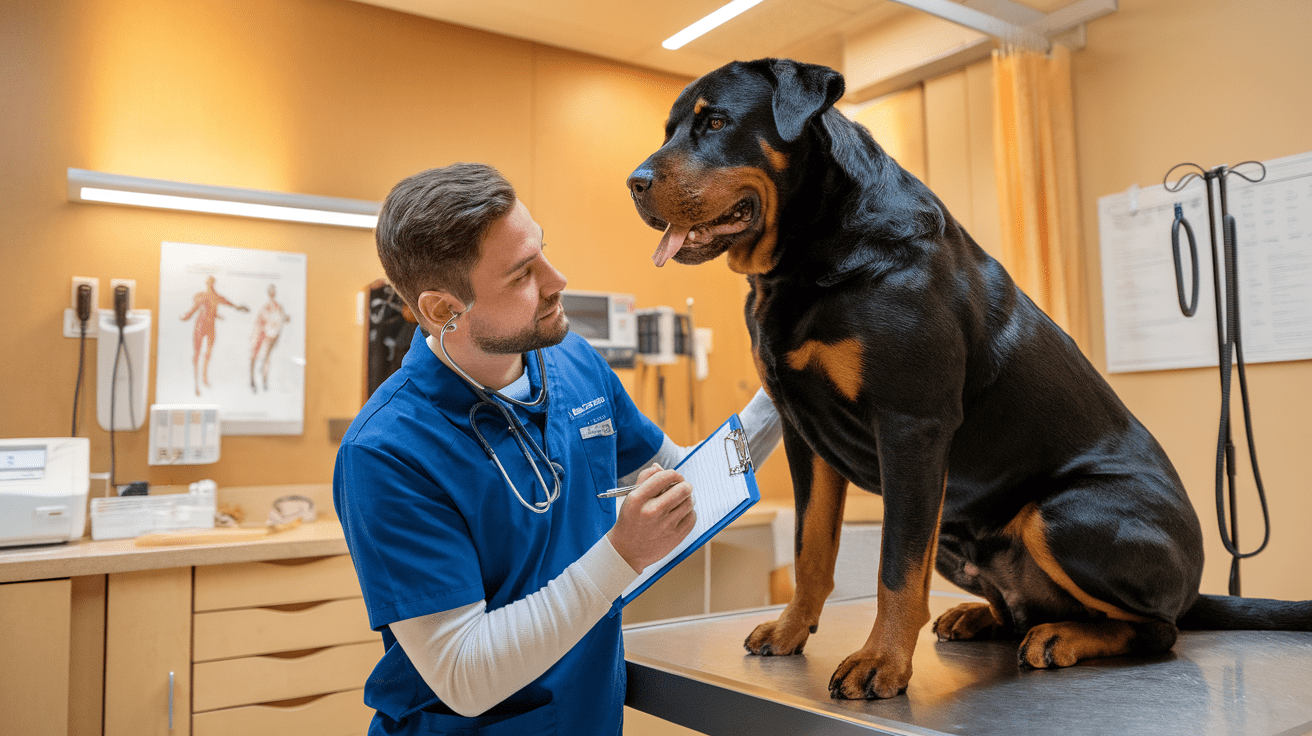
x: 528, y: 339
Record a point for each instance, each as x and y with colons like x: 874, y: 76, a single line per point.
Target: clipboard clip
x: 735, y: 448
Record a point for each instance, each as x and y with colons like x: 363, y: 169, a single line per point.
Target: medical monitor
x: 606, y: 320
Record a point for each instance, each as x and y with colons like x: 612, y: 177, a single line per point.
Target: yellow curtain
x: 1034, y: 156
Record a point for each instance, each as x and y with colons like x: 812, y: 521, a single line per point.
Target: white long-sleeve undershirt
x: 473, y: 658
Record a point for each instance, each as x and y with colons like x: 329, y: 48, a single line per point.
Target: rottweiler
x: 904, y: 359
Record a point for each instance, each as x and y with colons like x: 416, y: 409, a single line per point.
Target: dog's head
x: 718, y: 182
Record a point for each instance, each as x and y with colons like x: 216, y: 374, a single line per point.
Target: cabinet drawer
x: 244, y: 632
x: 248, y: 680
x: 338, y: 714
x: 253, y: 584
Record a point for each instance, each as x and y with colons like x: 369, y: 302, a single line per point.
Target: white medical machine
x: 43, y: 489
x: 662, y: 335
x: 606, y: 320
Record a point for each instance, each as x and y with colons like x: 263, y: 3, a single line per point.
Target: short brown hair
x: 431, y: 225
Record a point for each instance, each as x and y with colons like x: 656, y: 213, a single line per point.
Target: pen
x: 626, y: 490
x: 617, y: 492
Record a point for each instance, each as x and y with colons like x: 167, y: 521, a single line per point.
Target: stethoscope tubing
x: 517, y: 430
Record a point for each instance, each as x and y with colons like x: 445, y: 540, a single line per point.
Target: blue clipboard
x: 724, y: 486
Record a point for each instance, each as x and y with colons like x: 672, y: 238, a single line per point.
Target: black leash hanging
x: 1229, y: 343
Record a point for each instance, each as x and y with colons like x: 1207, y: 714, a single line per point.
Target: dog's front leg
x: 913, y: 469
x: 819, y: 493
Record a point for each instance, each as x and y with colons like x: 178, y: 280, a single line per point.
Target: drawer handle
x: 170, y: 701
x: 297, y: 653
x: 291, y: 704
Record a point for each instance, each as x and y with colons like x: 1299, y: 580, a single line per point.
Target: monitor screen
x: 589, y: 316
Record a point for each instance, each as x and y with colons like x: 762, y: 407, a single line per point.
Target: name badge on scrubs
x: 600, y: 429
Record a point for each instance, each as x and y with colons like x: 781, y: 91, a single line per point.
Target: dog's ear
x: 802, y: 91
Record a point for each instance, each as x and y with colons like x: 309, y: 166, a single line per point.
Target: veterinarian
x: 467, y: 485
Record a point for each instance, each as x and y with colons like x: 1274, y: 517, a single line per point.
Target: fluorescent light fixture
x: 135, y: 191
x: 705, y: 24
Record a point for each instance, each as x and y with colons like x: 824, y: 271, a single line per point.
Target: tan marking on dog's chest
x: 841, y: 362
x: 778, y: 159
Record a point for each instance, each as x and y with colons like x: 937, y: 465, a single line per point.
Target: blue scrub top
x: 431, y: 526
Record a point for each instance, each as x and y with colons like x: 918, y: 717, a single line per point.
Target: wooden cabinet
x: 104, y: 638
x: 34, y: 676
x: 281, y: 648
x: 148, y: 653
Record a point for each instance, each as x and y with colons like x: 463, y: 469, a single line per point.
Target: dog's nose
x: 640, y: 181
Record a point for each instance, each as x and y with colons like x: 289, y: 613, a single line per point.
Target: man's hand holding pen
x: 654, y: 518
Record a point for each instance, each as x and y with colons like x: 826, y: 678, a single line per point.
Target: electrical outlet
x: 132, y: 291
x: 72, y: 326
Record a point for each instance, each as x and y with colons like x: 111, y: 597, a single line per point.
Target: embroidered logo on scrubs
x: 603, y: 428
x: 595, y: 402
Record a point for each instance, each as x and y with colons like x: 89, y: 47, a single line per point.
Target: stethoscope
x: 525, y: 441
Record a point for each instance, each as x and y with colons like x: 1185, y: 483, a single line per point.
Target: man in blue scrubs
x: 493, y: 587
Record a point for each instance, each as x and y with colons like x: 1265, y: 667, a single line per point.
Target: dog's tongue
x: 671, y: 242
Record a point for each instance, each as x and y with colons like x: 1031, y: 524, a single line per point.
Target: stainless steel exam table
x: 695, y: 672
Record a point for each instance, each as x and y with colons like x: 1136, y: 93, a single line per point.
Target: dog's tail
x: 1230, y: 613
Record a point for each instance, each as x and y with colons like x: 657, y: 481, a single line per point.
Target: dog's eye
x: 715, y: 123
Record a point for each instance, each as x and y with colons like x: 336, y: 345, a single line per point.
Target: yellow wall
x: 1209, y: 81
x: 336, y: 98
x: 321, y: 97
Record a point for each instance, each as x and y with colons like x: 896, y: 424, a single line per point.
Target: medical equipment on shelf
x: 184, y: 434
x: 525, y: 441
x: 1225, y: 288
x: 606, y: 320
x: 43, y: 489
x: 122, y: 517
x: 662, y: 335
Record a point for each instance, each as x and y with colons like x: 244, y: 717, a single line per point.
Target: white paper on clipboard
x: 723, y: 486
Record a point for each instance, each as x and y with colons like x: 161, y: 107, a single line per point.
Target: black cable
x: 1229, y: 347
x: 1192, y: 306
x: 83, y: 314
x: 113, y: 401
x: 81, y: 364
x: 1225, y: 447
x: 127, y: 358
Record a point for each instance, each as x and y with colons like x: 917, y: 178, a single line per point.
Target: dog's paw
x: 777, y: 638
x: 966, y: 621
x: 870, y: 676
x: 1048, y: 646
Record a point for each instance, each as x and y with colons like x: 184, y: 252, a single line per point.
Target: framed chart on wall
x: 232, y: 333
x: 1145, y: 328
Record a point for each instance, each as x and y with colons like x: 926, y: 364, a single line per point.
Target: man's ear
x: 436, y: 307
x: 803, y: 91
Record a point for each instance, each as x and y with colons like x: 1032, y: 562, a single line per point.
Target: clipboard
x: 723, y: 485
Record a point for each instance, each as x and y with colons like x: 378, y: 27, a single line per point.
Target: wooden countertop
x: 317, y: 539
x: 88, y: 557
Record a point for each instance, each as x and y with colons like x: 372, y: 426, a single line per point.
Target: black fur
x: 960, y: 374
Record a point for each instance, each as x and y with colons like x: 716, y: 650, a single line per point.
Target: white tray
x: 122, y: 517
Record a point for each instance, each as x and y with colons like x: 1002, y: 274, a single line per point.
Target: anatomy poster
x: 232, y: 333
